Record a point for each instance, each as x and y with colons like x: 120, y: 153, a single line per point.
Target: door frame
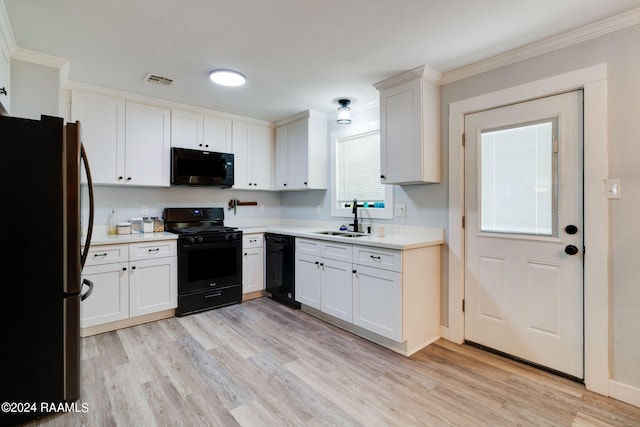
x: 593, y: 80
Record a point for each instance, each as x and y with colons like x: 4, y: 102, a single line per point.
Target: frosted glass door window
x: 518, y: 177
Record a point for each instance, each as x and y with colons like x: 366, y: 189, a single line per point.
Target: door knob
x: 571, y: 250
x: 571, y: 229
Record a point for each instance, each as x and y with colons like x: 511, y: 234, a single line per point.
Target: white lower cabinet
x: 391, y: 297
x: 377, y: 301
x: 323, y: 277
x: 109, y: 301
x: 252, y: 263
x: 129, y: 280
x: 308, y: 280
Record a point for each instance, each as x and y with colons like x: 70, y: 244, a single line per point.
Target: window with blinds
x: 358, y: 170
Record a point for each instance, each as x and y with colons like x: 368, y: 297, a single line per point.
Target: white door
x: 524, y: 233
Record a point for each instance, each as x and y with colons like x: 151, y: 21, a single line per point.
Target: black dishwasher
x: 280, y: 269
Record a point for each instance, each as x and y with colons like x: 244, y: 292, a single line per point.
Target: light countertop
x: 418, y: 237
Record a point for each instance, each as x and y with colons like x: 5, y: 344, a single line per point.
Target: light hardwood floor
x: 260, y: 363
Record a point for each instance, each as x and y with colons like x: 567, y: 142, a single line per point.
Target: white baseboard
x: 626, y: 393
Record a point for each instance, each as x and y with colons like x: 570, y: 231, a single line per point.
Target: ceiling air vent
x: 156, y: 79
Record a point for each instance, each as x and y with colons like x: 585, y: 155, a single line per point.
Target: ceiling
x: 297, y: 55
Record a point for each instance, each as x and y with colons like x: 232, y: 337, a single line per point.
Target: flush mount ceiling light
x: 344, y: 114
x: 227, y: 77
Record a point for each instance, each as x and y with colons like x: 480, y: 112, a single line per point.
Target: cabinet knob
x: 128, y: 178
x: 383, y: 177
x: 285, y: 184
x: 245, y: 254
x: 133, y: 267
x: 305, y: 183
x: 124, y: 268
x: 354, y: 271
x: 120, y: 178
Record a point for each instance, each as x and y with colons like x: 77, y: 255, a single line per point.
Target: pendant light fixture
x: 227, y: 77
x: 344, y: 112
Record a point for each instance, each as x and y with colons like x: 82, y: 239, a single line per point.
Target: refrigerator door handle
x: 85, y: 251
x: 89, y: 283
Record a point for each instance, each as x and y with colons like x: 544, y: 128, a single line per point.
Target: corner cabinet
x: 390, y: 297
x: 301, y: 152
x: 253, y: 156
x: 410, y: 127
x: 127, y: 143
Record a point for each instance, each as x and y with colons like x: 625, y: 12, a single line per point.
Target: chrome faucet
x: 356, y: 228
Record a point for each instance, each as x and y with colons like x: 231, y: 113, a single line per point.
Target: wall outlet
x: 144, y: 209
x: 400, y: 209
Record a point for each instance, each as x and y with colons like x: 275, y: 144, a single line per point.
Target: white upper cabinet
x: 301, y: 152
x: 200, y: 131
x: 103, y: 134
x: 126, y: 143
x: 148, y: 145
x: 410, y: 127
x: 253, y: 156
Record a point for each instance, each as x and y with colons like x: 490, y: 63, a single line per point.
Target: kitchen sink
x: 340, y: 233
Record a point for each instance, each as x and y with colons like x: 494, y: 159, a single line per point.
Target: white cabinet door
x: 242, y: 155
x: 217, y: 134
x: 153, y: 286
x: 261, y: 157
x: 148, y: 145
x: 187, y: 130
x: 337, y: 292
x: 109, y: 300
x: 298, y: 154
x: 377, y: 301
x: 308, y: 280
x: 103, y: 134
x: 252, y: 270
x: 281, y: 169
x: 252, y: 149
x: 409, y: 128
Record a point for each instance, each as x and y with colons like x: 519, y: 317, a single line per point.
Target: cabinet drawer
x: 107, y: 254
x: 155, y: 249
x: 387, y: 259
x: 252, y: 241
x: 308, y: 246
x: 337, y: 251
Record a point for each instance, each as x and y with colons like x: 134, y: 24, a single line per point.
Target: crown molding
x: 39, y: 58
x: 423, y: 71
x: 579, y: 35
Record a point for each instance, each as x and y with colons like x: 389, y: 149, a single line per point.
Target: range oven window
x: 209, y: 265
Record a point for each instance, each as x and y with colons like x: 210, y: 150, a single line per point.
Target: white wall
x: 35, y: 90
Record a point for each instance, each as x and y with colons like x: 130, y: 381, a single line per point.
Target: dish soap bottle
x: 113, y: 223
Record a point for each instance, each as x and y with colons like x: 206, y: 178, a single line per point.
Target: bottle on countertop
x: 113, y: 223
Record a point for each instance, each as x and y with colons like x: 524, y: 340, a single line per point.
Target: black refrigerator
x: 44, y: 250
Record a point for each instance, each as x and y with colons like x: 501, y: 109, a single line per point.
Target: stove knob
x: 200, y: 239
x: 227, y: 237
x: 192, y: 240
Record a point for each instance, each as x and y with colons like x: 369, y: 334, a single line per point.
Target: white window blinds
x: 358, y: 169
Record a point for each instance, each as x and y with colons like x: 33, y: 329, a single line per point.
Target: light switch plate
x: 612, y: 188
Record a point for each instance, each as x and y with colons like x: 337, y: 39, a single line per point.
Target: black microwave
x: 195, y: 167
